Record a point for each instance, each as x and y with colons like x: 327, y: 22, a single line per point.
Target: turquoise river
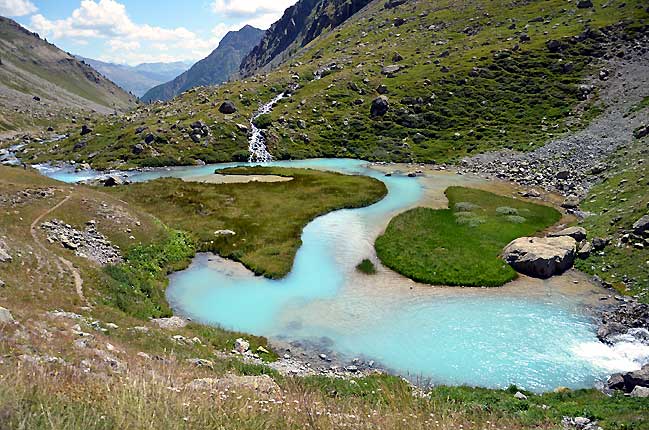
x: 535, y: 334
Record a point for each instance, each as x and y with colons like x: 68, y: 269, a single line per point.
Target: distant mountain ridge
x: 300, y: 24
x: 141, y: 78
x: 216, y: 68
x: 39, y: 81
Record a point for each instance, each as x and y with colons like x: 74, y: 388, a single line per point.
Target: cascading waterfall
x: 257, y: 144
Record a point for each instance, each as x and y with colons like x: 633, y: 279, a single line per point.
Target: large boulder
x: 636, y: 378
x: 227, y: 107
x: 577, y: 233
x: 380, y: 106
x: 641, y: 225
x: 541, y: 257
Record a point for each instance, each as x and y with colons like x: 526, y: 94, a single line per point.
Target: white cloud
x: 123, y: 45
x: 258, y: 13
x: 16, y: 7
x: 106, y: 19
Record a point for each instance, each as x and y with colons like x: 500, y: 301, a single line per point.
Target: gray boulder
x: 227, y: 107
x: 138, y: 148
x: 577, y: 233
x: 391, y: 69
x: 541, y: 257
x: 5, y: 257
x: 380, y: 106
x: 641, y: 225
x: 570, y: 203
x: 5, y: 316
x: 642, y: 392
x: 636, y: 378
x: 113, y: 181
x: 584, y: 4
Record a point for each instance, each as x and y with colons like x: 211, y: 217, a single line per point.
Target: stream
x: 537, y: 334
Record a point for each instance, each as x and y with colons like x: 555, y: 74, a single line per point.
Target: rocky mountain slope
x: 416, y: 81
x: 39, y: 82
x: 141, y: 78
x: 216, y: 68
x: 299, y: 25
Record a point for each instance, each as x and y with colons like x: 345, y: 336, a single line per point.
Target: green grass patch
x: 461, y: 245
x: 267, y: 218
x: 366, y: 266
x: 137, y: 286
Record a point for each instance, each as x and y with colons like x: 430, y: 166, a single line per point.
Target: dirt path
x: 78, y: 280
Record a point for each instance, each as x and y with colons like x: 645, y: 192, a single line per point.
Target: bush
x: 263, y: 121
x: 366, y: 266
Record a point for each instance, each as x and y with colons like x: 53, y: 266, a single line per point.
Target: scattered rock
x: 88, y: 244
x: 577, y: 233
x: 636, y: 378
x: 585, y: 250
x: 224, y: 233
x: 138, y: 149
x: 5, y: 316
x: 520, y: 396
x: 584, y: 4
x: 227, y: 107
x: 641, y: 132
x: 5, y: 257
x: 541, y: 257
x: 641, y: 225
x: 640, y: 391
x: 171, y: 323
x: 241, y: 345
x: 390, y: 70
x: 113, y: 181
x: 570, y: 203
x: 85, y: 130
x: 380, y: 106
x: 382, y: 89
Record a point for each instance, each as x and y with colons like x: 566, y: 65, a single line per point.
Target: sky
x: 139, y: 31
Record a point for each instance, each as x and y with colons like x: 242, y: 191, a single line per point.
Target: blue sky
x: 136, y: 31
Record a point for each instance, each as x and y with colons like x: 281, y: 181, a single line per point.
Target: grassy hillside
x: 32, y: 67
x: 470, y: 76
x: 616, y: 204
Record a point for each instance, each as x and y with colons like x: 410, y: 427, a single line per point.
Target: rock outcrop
x: 89, y: 243
x: 5, y: 257
x: 577, y: 233
x: 300, y: 24
x: 629, y: 381
x: 541, y: 257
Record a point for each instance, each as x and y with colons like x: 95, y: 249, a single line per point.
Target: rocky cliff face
x: 216, y: 68
x: 299, y: 25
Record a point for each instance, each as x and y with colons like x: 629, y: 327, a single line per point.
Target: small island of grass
x: 460, y: 246
x: 366, y: 266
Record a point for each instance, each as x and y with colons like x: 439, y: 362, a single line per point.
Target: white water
x: 257, y: 146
